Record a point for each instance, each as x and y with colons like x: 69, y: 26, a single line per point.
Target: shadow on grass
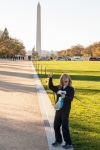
x: 59, y: 70
x: 74, y: 77
x: 73, y: 71
x: 84, y: 136
x: 90, y: 91
x: 85, y: 78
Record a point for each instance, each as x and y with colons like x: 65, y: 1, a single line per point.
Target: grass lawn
x: 84, y: 118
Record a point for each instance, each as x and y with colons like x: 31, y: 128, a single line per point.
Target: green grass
x: 84, y: 118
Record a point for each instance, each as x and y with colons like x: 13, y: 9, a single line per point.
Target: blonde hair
x: 61, y: 80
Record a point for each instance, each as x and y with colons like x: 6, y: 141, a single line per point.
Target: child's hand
x: 50, y: 75
x: 63, y: 95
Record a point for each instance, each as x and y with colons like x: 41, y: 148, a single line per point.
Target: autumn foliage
x: 10, y: 46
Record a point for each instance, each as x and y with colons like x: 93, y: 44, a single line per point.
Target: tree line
x: 10, y: 46
x: 79, y: 50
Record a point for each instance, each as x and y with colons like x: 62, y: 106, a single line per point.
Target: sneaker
x: 67, y: 146
x: 56, y: 143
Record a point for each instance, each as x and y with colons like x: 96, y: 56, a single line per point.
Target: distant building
x: 47, y: 52
x: 29, y: 52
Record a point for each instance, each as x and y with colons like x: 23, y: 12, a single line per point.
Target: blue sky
x: 64, y: 23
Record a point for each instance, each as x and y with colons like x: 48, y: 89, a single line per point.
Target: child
x: 62, y: 115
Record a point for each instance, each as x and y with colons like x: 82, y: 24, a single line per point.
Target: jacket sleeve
x: 70, y: 95
x: 51, y: 86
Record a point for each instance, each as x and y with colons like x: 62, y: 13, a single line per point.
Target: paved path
x: 21, y: 123
x: 26, y: 113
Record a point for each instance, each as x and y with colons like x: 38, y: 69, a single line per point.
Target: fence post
x: 41, y: 70
x: 38, y: 68
x: 41, y: 73
x: 45, y: 71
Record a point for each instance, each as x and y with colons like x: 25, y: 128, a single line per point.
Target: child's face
x: 65, y: 81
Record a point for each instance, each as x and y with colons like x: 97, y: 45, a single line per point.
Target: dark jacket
x: 68, y: 97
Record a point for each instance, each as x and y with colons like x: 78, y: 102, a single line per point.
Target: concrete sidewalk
x: 21, y: 122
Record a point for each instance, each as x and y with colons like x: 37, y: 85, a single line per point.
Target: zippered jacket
x: 68, y: 96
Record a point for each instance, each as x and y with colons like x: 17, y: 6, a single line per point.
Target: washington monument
x: 38, y: 30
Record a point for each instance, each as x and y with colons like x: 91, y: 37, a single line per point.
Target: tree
x: 68, y: 52
x: 5, y: 35
x: 98, y: 51
x: 10, y: 46
x: 1, y: 32
x: 61, y: 53
x: 76, y: 50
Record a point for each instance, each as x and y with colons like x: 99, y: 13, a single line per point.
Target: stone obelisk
x: 38, y: 30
